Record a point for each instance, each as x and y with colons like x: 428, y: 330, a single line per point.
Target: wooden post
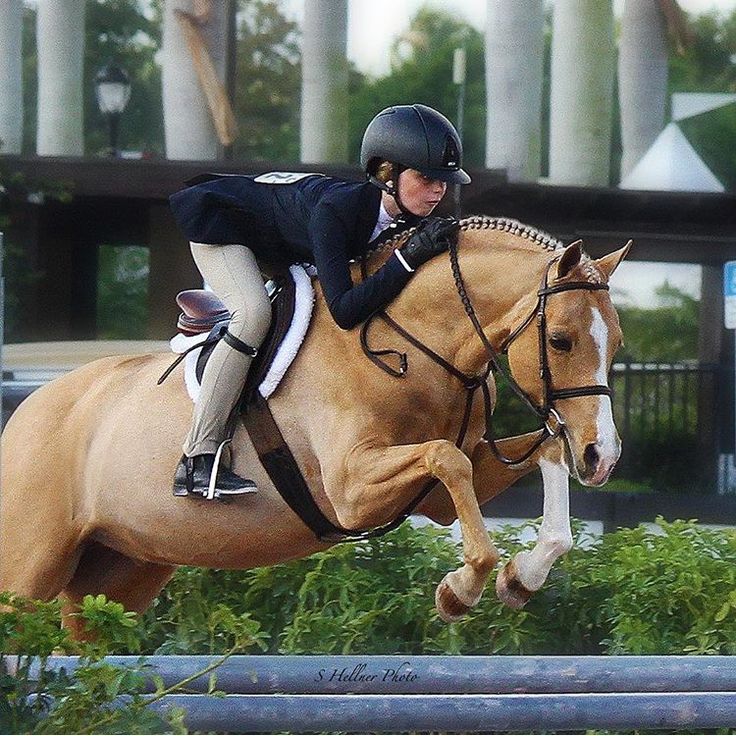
x: 172, y: 270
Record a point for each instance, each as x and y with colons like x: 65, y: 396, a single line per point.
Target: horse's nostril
x: 591, y: 457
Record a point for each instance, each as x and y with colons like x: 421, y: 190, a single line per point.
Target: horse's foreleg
x: 374, y: 474
x: 490, y: 476
x: 527, y: 572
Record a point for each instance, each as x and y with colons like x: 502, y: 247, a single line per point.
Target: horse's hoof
x: 509, y: 588
x: 449, y: 604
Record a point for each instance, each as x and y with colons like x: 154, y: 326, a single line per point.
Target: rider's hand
x: 432, y: 238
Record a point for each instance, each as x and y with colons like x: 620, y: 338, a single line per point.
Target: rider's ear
x: 570, y: 258
x: 608, y: 264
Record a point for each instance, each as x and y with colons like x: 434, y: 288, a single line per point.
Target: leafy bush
x: 664, y: 590
x: 37, y: 699
x: 94, y: 697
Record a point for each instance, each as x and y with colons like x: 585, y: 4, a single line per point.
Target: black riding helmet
x: 414, y: 137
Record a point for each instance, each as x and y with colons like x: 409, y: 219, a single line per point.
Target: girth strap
x: 284, y: 473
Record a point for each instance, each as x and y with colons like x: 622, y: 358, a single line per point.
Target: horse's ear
x: 570, y: 258
x: 608, y: 264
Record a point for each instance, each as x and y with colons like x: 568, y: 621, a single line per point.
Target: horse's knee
x: 444, y: 460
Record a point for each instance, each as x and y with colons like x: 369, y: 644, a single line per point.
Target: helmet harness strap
x: 393, y: 189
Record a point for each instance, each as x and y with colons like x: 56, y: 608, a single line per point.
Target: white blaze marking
x: 606, y: 440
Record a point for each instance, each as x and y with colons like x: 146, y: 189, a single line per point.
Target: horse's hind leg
x: 130, y: 582
x: 36, y: 559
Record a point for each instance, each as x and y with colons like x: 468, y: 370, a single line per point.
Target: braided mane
x: 483, y: 222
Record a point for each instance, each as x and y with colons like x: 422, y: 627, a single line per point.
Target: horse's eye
x: 561, y: 343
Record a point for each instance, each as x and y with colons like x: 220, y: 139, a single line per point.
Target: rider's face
x: 418, y: 193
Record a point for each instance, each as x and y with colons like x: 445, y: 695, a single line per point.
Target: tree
x: 268, y: 82
x: 119, y: 30
x: 422, y: 72
x: 666, y: 333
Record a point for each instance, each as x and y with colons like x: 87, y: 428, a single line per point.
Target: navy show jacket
x: 312, y: 218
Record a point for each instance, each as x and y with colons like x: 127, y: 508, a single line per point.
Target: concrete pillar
x: 11, y: 81
x: 642, y: 78
x: 581, y: 104
x: 514, y: 67
x: 189, y: 131
x: 60, y: 30
x: 324, y: 113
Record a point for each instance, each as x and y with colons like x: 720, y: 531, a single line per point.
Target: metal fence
x: 431, y: 694
x: 673, y: 419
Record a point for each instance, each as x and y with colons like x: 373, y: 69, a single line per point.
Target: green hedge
x: 635, y: 591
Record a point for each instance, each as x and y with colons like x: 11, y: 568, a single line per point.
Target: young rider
x: 409, y: 153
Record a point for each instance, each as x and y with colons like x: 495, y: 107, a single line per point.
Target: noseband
x: 554, y: 425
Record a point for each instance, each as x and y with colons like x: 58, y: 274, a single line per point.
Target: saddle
x: 203, y: 312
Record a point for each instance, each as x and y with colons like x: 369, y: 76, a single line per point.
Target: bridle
x: 553, y: 424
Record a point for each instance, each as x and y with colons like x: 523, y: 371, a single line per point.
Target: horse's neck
x: 500, y: 278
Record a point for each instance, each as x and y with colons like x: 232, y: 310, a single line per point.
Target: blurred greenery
x: 122, y: 292
x: 421, y: 71
x: 664, y: 333
x: 268, y: 84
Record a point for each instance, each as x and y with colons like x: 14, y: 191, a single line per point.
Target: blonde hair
x: 385, y: 171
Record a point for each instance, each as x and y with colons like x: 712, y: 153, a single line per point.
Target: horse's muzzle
x: 597, y: 463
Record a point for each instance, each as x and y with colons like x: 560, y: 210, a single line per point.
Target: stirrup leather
x: 239, y: 345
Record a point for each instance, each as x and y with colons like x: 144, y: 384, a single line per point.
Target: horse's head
x: 563, y: 356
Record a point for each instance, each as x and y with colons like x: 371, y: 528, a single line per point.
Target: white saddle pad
x: 286, y: 351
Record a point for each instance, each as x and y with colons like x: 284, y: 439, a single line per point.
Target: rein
x: 554, y: 425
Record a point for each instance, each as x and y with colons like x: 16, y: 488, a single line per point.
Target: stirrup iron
x: 212, y: 491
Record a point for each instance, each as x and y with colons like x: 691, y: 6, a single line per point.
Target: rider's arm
x: 350, y: 304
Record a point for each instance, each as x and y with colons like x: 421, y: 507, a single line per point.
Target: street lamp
x: 112, y: 88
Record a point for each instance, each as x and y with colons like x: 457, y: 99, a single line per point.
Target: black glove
x: 432, y: 238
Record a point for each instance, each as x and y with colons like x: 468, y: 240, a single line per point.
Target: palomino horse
x: 88, y: 459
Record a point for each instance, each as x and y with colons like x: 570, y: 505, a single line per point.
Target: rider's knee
x: 251, y: 320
